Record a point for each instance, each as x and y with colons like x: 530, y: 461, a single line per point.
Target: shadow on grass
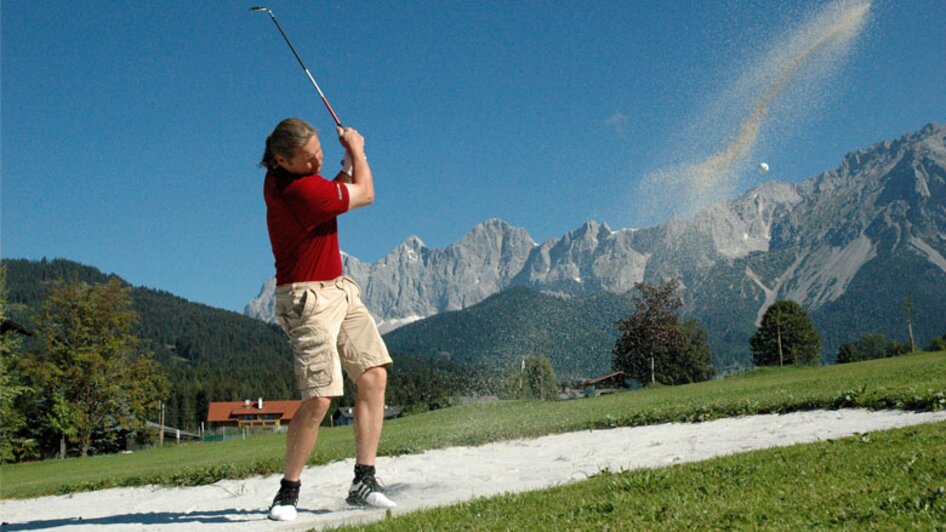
x: 154, y: 518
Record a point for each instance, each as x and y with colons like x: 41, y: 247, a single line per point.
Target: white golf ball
x: 763, y: 168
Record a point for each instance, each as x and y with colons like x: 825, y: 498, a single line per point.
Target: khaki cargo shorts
x: 328, y: 328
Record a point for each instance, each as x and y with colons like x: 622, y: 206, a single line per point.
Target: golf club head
x: 259, y: 9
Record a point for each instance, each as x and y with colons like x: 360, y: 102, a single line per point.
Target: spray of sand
x: 808, y: 56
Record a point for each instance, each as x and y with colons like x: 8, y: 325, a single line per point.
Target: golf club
x: 328, y: 106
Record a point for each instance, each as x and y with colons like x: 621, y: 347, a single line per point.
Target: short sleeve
x: 314, y: 200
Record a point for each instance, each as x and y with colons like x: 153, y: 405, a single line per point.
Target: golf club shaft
x: 301, y: 63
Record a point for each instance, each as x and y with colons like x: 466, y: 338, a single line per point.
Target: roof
x: 604, y: 378
x: 10, y: 325
x: 229, y: 411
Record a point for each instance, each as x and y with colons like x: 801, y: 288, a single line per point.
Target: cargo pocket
x: 315, y: 374
x: 313, y: 355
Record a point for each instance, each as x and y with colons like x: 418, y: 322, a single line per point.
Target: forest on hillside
x: 213, y: 355
x: 576, y: 334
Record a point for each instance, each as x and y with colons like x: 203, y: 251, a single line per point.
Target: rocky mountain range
x: 861, y: 237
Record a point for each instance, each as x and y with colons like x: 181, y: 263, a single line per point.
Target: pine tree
x: 785, y: 336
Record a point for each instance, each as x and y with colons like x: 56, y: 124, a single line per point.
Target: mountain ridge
x: 807, y: 241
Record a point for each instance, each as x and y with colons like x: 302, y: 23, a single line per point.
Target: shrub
x: 871, y: 346
x: 937, y: 344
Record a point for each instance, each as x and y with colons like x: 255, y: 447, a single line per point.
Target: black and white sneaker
x: 284, y: 505
x: 369, y: 491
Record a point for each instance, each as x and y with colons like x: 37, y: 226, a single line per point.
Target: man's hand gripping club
x: 355, y: 170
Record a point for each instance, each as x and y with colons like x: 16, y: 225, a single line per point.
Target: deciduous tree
x: 533, y: 379
x: 654, y: 346
x: 91, y: 359
x: 12, y: 421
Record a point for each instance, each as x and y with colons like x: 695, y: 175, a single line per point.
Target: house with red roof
x: 252, y: 414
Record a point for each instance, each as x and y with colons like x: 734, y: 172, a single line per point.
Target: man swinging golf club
x: 320, y: 309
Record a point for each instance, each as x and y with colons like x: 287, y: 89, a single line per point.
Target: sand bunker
x: 442, y: 477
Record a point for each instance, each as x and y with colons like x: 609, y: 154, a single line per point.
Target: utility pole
x: 161, y: 423
x: 909, y: 311
x: 522, y: 376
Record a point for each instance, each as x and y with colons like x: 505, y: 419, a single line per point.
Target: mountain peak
x: 412, y: 242
x: 591, y: 229
x: 492, y: 226
x: 595, y: 226
x: 494, y: 223
x: 496, y: 230
x: 929, y: 130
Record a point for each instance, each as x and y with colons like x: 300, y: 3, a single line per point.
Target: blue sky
x: 131, y: 130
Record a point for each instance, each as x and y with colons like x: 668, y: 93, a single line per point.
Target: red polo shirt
x: 301, y: 215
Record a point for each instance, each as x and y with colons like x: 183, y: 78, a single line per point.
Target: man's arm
x: 361, y: 183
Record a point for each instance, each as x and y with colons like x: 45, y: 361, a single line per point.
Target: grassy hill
x: 576, y: 334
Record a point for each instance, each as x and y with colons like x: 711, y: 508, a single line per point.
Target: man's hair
x: 289, y: 135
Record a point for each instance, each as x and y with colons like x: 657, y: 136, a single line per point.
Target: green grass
x: 910, y: 382
x: 890, y: 480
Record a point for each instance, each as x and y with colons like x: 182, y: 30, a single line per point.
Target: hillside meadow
x: 911, y: 382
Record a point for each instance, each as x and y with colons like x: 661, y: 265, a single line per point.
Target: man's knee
x: 373, y: 380
x: 314, y: 409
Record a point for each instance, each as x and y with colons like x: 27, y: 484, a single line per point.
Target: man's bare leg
x: 300, y: 440
x: 303, y: 432
x: 369, y: 414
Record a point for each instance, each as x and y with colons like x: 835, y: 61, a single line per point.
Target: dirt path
x: 441, y: 477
